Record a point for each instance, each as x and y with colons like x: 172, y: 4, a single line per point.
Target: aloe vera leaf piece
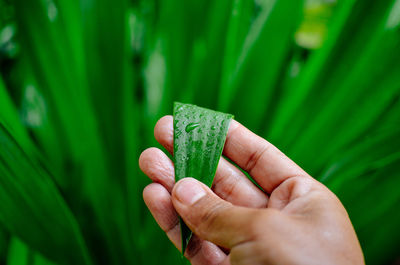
x: 199, y: 138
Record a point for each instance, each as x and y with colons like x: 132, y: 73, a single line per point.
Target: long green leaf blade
x: 199, y: 138
x: 260, y: 62
x: 46, y: 224
x: 20, y: 254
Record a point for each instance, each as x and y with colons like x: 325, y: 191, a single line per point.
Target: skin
x: 293, y: 220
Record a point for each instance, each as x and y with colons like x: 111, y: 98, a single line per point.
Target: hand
x: 295, y: 220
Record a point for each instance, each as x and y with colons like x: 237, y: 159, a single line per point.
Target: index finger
x: 229, y: 183
x: 268, y: 166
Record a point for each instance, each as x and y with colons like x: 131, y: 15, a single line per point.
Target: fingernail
x: 189, y: 191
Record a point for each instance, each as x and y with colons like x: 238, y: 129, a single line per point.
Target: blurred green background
x: 82, y: 83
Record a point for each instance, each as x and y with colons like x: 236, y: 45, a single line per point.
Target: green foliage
x: 45, y: 222
x: 83, y: 82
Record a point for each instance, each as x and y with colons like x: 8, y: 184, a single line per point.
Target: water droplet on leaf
x: 191, y: 126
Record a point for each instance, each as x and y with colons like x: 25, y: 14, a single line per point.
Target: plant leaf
x: 260, y: 61
x: 199, y: 138
x: 46, y: 224
x: 80, y: 67
x: 20, y: 254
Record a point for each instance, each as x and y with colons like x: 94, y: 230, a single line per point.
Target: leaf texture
x: 199, y: 138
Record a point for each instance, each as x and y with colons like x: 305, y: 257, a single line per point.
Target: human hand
x: 296, y: 220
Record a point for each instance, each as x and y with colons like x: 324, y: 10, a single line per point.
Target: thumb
x: 210, y: 217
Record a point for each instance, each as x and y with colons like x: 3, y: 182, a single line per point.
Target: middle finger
x: 230, y: 183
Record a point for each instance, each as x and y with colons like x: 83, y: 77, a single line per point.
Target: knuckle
x: 193, y: 248
x: 229, y: 186
x: 263, y: 220
x: 255, y: 157
x: 251, y: 252
x: 210, y: 218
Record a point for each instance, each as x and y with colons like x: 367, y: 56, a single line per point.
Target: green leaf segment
x: 199, y: 138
